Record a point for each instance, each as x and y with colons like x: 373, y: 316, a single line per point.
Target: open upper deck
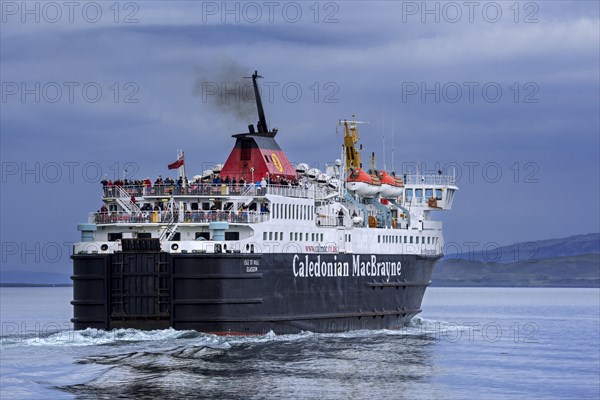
x: 209, y: 190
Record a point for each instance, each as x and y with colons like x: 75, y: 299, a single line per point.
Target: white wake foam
x: 94, y: 337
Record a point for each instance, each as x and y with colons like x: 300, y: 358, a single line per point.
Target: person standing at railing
x: 102, y: 214
x: 177, y: 186
x: 263, y: 186
x: 147, y: 186
x: 112, y: 188
x: 213, y: 213
x: 234, y: 188
x: 158, y: 185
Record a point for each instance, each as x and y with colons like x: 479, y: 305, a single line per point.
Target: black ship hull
x: 245, y: 294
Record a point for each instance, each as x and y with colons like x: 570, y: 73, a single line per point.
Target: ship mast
x: 262, y: 121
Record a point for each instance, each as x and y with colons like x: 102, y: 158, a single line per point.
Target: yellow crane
x: 350, y: 142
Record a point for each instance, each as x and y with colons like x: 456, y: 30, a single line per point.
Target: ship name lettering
x: 309, y: 268
x: 374, y: 268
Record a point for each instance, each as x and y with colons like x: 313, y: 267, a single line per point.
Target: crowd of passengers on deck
x: 160, y: 213
x: 168, y: 186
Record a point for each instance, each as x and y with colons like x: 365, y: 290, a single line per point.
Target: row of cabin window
x: 272, y: 235
x: 112, y: 237
x: 294, y: 236
x: 408, y: 193
x: 407, y: 239
x: 292, y: 211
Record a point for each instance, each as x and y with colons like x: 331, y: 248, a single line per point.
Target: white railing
x: 118, y: 191
x: 206, y: 189
x: 288, y: 191
x: 162, y: 217
x: 429, y: 179
x: 124, y: 200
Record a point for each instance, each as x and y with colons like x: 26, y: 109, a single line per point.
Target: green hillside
x: 570, y: 271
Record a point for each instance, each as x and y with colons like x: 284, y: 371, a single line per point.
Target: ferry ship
x: 258, y: 245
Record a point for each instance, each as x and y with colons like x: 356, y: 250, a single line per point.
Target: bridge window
x: 232, y: 235
x: 409, y: 193
x: 114, y: 236
x: 438, y: 194
x: 419, y: 194
x: 428, y: 193
x: 203, y: 235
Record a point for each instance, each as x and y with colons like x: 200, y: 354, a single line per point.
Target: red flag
x: 176, y: 164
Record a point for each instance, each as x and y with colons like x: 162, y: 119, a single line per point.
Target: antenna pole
x: 383, y: 143
x: 184, y: 183
x: 393, y: 123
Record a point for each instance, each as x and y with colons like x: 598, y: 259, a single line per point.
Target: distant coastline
x: 36, y: 285
x: 568, y: 262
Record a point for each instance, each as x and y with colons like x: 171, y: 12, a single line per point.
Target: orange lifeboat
x: 389, y: 185
x: 361, y: 183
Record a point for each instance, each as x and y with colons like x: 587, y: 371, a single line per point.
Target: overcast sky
x: 505, y: 93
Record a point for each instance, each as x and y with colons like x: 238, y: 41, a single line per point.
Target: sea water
x: 468, y: 343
